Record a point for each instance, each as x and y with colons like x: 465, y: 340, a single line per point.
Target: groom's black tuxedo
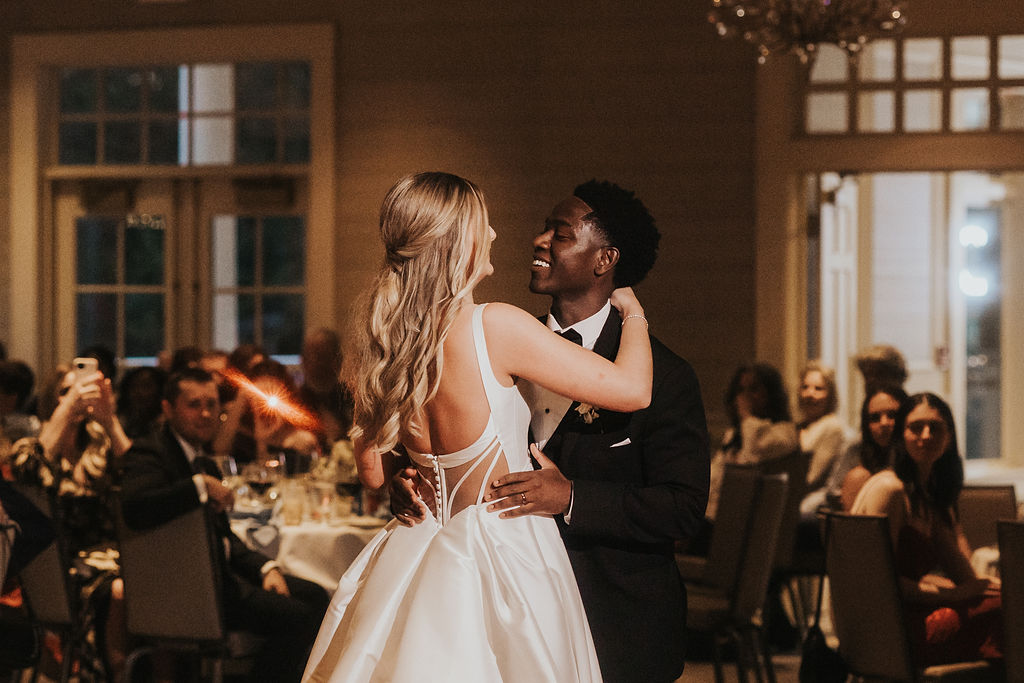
x: 640, y: 482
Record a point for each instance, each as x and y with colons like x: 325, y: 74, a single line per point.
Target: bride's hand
x: 626, y: 303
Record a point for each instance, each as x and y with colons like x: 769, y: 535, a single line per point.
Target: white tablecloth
x: 311, y: 550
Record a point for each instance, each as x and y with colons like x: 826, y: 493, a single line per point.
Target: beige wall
x: 527, y: 99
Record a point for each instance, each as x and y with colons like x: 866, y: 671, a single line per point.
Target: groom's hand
x: 535, y: 492
x: 406, y: 503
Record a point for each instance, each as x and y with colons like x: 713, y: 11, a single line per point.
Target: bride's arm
x: 521, y: 346
x: 374, y: 467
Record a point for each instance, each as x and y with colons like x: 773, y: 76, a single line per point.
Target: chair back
x: 1011, y: 570
x: 980, y: 507
x: 46, y: 579
x: 755, y: 571
x: 866, y: 603
x: 739, y: 487
x: 794, y: 466
x: 172, y: 579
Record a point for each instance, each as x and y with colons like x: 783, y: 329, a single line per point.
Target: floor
x: 786, y: 668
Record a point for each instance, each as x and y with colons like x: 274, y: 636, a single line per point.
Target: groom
x: 623, y: 487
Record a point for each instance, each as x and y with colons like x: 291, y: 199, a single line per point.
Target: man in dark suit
x: 623, y: 487
x: 169, y: 476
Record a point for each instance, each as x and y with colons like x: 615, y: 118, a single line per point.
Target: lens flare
x: 273, y: 403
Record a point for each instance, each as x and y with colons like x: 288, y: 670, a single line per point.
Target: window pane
x: 1011, y: 56
x: 296, y: 141
x: 296, y: 85
x: 876, y: 112
x: 234, y: 251
x: 144, y: 255
x: 877, y: 61
x: 284, y: 250
x: 96, y: 258
x: 214, y: 140
x: 257, y: 141
x: 969, y: 58
x: 122, y: 90
x: 144, y: 324
x: 830, y: 65
x: 96, y: 320
x: 234, y: 317
x: 283, y: 323
x: 1011, y: 108
x: 922, y: 110
x: 163, y: 142
x: 922, y: 59
x: 121, y: 142
x: 77, y: 91
x: 213, y: 88
x: 77, y: 142
x: 827, y: 113
x: 256, y: 87
x: 970, y: 109
x: 163, y: 89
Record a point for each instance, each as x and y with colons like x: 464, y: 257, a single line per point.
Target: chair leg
x: 716, y: 653
x: 761, y: 643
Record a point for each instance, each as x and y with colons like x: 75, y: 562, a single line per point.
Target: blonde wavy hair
x: 434, y: 228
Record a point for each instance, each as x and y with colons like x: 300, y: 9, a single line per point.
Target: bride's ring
x: 523, y: 496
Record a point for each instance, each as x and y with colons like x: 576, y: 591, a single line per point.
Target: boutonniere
x: 587, y: 412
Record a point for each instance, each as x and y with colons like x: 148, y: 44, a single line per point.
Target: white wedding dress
x: 466, y: 597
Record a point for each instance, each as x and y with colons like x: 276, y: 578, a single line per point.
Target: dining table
x: 314, y: 549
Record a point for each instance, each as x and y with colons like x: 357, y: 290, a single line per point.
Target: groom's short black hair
x: 626, y: 223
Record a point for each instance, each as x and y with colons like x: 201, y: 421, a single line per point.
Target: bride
x: 466, y: 596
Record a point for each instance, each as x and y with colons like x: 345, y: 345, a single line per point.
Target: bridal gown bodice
x: 465, y: 595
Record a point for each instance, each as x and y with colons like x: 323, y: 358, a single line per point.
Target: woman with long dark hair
x: 953, y: 615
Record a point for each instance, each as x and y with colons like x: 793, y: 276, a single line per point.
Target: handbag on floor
x: 818, y: 662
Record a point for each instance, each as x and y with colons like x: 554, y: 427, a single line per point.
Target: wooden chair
x: 172, y: 590
x: 734, y: 614
x: 868, y: 609
x: 1011, y: 569
x: 981, y: 506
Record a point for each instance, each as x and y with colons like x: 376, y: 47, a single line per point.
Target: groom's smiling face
x: 566, y: 252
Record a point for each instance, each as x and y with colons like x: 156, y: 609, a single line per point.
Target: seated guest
x: 821, y: 432
x: 882, y: 365
x: 322, y: 391
x: 872, y: 452
x: 77, y: 455
x: 169, y: 476
x: 16, y: 382
x: 762, y: 429
x: 138, y: 401
x: 954, y: 615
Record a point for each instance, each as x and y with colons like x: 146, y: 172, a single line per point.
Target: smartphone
x: 83, y: 368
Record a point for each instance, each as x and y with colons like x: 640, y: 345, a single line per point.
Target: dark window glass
x: 97, y: 251
x: 143, y: 256
x: 245, y: 244
x: 77, y: 143
x: 144, y: 324
x: 296, y: 85
x: 77, y: 91
x: 96, y: 320
x: 296, y: 141
x: 257, y: 141
x: 123, y: 90
x: 163, y: 142
x: 283, y: 323
x: 163, y: 89
x: 246, y: 319
x: 284, y: 251
x: 121, y: 142
x: 255, y: 86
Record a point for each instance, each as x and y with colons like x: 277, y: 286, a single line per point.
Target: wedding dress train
x: 465, y: 596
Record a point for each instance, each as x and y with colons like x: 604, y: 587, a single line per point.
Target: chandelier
x: 799, y: 26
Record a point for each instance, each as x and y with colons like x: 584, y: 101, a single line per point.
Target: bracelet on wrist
x: 636, y: 315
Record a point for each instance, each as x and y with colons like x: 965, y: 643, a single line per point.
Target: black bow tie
x: 572, y: 335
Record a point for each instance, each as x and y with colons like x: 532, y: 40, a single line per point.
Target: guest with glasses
x: 952, y: 613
